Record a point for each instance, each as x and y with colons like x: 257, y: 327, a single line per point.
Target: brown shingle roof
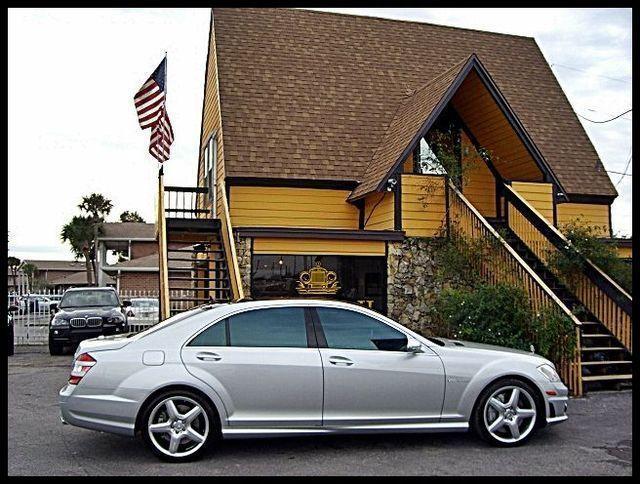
x: 309, y: 95
x: 133, y: 230
x: 78, y: 279
x: 57, y: 265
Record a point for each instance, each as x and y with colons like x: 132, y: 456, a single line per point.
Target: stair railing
x: 230, y: 248
x: 597, y: 292
x: 506, y: 266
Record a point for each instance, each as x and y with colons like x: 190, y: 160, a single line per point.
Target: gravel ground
x: 596, y: 440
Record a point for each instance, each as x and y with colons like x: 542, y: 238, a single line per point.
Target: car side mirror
x: 413, y: 345
x: 130, y: 314
x: 126, y: 303
x: 13, y: 309
x: 53, y: 307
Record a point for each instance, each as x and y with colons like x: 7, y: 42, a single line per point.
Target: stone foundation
x: 243, y: 252
x: 411, y: 285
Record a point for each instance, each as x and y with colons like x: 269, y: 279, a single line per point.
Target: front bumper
x: 75, y: 335
x: 558, y: 404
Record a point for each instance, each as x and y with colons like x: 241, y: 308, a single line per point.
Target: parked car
x: 143, y: 310
x: 296, y: 367
x: 86, y: 313
x: 36, y: 303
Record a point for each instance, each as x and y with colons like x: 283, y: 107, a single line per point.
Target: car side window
x: 352, y: 330
x: 215, y: 335
x: 274, y: 327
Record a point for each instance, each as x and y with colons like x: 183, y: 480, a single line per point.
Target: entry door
x: 369, y: 378
x: 261, y: 365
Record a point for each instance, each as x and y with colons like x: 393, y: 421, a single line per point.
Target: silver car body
x: 284, y: 391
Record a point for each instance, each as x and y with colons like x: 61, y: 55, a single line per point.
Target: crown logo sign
x: 317, y: 280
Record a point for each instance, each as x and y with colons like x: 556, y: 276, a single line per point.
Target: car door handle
x: 340, y: 361
x: 206, y: 356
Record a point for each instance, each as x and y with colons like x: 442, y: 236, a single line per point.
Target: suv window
x: 280, y: 327
x: 351, y: 330
x: 89, y: 298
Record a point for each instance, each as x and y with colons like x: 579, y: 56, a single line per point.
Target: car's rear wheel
x: 179, y: 425
x: 55, y: 348
x: 507, y: 413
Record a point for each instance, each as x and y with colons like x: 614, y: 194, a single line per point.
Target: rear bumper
x: 105, y: 413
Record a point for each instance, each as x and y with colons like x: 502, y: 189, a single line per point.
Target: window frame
x: 310, y: 329
x: 322, y: 340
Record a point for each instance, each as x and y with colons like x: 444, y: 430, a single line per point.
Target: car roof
x: 267, y: 303
x: 77, y: 289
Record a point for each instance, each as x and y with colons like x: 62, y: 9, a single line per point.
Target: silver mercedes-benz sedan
x: 294, y: 367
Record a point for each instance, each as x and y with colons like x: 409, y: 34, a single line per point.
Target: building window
x: 210, y: 168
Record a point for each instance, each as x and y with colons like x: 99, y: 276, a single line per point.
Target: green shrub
x: 500, y: 315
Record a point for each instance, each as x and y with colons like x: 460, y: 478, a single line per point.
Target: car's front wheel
x: 55, y: 348
x: 507, y: 413
x: 179, y: 425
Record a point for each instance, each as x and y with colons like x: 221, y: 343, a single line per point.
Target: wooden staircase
x: 198, y: 262
x: 605, y: 363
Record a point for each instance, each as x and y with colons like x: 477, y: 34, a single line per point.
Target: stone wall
x: 411, y: 285
x: 243, y: 252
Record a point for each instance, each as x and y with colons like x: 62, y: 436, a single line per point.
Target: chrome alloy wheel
x: 178, y: 426
x: 510, y: 414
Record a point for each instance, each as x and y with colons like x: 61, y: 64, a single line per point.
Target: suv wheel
x: 55, y: 348
x: 507, y: 413
x: 179, y: 425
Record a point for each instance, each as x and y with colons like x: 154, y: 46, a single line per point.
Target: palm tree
x: 79, y: 232
x: 97, y: 206
x: 14, y: 264
x: 30, y: 270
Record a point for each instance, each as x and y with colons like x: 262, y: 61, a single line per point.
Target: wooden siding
x: 382, y: 216
x: 423, y: 205
x: 624, y: 252
x: 291, y: 246
x: 539, y: 195
x: 212, y: 121
x: 585, y: 213
x: 479, y: 183
x: 407, y: 164
x: 490, y: 126
x: 291, y: 207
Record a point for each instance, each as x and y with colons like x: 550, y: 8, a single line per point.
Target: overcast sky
x: 73, y: 74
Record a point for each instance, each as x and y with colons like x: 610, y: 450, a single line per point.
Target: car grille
x: 78, y: 322
x: 94, y: 322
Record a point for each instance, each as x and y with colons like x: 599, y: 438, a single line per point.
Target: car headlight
x: 115, y: 319
x: 549, y: 371
x: 59, y: 322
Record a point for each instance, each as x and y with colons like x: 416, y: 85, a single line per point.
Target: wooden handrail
x: 595, y: 290
x: 230, y: 249
x: 507, y: 266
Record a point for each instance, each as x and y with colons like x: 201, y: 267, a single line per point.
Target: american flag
x: 152, y: 112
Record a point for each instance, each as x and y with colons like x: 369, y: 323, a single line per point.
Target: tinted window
x: 215, y: 335
x: 284, y: 327
x: 89, y: 298
x: 351, y: 330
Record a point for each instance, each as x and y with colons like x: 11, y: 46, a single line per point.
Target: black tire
x: 55, y: 348
x: 478, y: 416
x: 211, y: 416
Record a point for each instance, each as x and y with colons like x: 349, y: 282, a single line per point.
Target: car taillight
x: 81, y: 366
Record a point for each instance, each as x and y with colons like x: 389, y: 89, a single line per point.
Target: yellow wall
x: 291, y: 207
x: 585, y: 213
x: 423, y: 205
x: 479, y: 183
x: 287, y: 246
x: 539, y: 195
x: 379, y: 216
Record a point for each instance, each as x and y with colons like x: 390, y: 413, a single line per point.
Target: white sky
x: 73, y: 74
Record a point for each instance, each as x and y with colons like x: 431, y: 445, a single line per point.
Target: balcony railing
x: 186, y: 202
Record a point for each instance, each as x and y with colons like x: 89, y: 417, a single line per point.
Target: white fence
x: 31, y: 321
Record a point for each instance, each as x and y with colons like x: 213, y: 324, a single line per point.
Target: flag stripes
x: 150, y: 104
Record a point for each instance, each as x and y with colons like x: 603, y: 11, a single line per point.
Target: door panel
x: 262, y: 386
x: 381, y: 387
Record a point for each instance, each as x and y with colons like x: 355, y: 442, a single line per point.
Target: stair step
x: 602, y: 348
x: 190, y: 299
x: 610, y: 362
x: 589, y: 322
x: 197, y: 278
x: 607, y: 377
x: 182, y: 259
x: 592, y: 335
x: 199, y: 251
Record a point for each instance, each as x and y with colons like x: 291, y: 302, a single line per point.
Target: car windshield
x: 89, y: 298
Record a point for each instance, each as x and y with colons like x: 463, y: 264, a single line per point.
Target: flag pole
x: 162, y: 233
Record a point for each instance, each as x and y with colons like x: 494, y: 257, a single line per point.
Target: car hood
x: 454, y: 343
x: 100, y: 311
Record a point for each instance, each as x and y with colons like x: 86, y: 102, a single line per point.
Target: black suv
x: 85, y: 313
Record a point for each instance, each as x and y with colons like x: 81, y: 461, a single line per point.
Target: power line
x: 590, y: 73
x: 606, y: 120
x: 625, y: 170
x: 619, y: 173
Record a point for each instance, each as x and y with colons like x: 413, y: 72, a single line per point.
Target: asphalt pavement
x: 596, y: 440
